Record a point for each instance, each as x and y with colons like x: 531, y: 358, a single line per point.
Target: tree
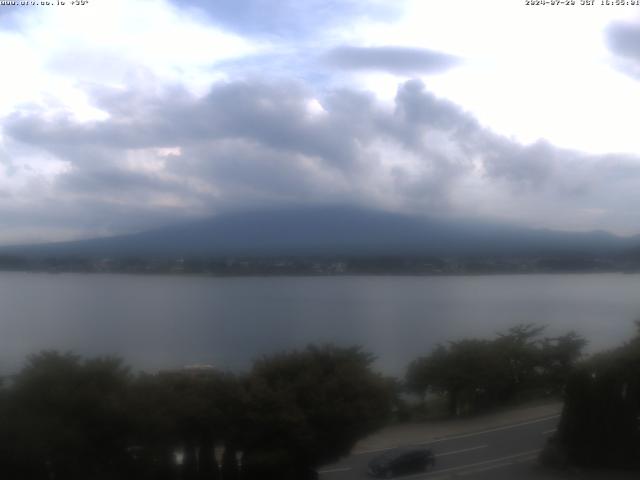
x: 600, y: 424
x: 476, y: 374
x: 519, y: 348
x: 67, y: 418
x: 472, y: 374
x: 310, y: 407
x: 559, y: 356
x: 189, y: 411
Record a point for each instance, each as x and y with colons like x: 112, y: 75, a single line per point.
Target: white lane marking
x: 476, y: 464
x: 334, y: 470
x: 497, y: 429
x: 460, y: 451
x: 547, y: 432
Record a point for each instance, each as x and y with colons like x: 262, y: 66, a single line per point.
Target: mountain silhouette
x: 337, y: 230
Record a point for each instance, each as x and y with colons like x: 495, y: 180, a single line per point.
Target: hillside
x: 334, y: 231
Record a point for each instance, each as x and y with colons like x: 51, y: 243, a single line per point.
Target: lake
x: 158, y: 322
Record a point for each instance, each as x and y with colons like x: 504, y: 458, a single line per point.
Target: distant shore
x: 324, y: 266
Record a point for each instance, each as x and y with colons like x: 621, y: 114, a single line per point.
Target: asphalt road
x: 506, y: 452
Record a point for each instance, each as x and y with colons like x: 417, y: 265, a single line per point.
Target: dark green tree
x: 67, y: 418
x: 477, y: 374
x: 558, y: 357
x: 519, y: 349
x: 600, y: 424
x: 188, y: 411
x: 310, y: 407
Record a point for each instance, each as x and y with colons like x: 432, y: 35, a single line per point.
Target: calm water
x: 169, y: 321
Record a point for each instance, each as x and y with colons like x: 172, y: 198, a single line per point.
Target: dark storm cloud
x: 284, y: 18
x: 624, y: 40
x: 399, y: 60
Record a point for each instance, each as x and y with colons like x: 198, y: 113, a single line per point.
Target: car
x: 401, y: 461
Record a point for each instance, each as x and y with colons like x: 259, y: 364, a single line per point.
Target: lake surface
x: 159, y: 322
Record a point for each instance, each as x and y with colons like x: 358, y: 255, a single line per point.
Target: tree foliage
x: 314, y: 404
x: 600, y: 424
x: 68, y: 418
x: 475, y: 374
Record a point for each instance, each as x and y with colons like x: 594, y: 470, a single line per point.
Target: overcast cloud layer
x: 119, y: 117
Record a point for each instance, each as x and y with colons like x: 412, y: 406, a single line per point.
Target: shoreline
x: 327, y: 275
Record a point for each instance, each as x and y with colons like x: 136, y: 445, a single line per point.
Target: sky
x: 119, y: 115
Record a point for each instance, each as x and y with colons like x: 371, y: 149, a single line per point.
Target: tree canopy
x: 315, y: 404
x: 600, y: 424
x: 474, y: 374
x: 70, y: 418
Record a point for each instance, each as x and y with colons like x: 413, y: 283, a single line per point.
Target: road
x: 504, y: 452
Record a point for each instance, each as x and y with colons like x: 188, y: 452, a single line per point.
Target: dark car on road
x: 401, y: 461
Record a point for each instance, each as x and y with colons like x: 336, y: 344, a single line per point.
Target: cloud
x: 164, y: 154
x: 398, y: 60
x: 10, y: 17
x: 276, y: 116
x: 624, y: 39
x: 8, y: 10
x: 58, y: 53
x: 539, y: 184
x: 242, y: 144
x: 124, y: 114
x: 285, y: 18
